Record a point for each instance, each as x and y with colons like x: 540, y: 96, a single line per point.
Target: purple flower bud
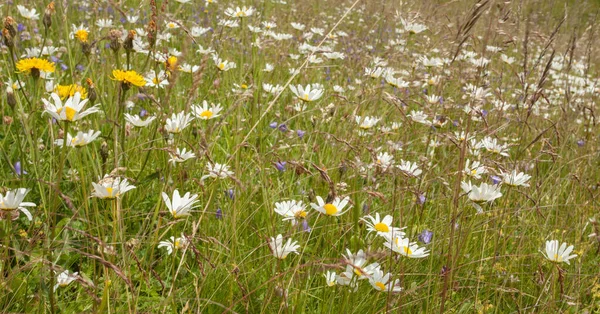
x: 484, y: 112
x: 305, y: 226
x: 80, y: 68
x: 425, y: 236
x: 54, y: 59
x: 280, y: 165
x: 496, y: 180
x: 421, y: 199
x: 63, y: 66
x: 300, y: 133
x: 455, y: 123
x: 230, y: 193
x: 18, y: 170
x: 219, y: 214
x: 273, y: 125
x: 580, y: 143
x: 283, y: 127
x: 143, y: 113
x: 20, y: 27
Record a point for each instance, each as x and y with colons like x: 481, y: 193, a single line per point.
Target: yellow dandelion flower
x: 129, y: 77
x: 34, y: 66
x: 65, y: 91
x: 171, y: 63
x: 82, y: 35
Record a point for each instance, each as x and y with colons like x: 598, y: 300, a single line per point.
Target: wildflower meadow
x: 283, y: 156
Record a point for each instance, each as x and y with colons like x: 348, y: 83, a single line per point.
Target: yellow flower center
x: 221, y: 66
x: 407, y: 250
x: 177, y: 244
x: 70, y: 112
x: 473, y: 172
x: 206, y: 114
x: 358, y: 271
x: 380, y: 285
x: 301, y: 214
x: 381, y: 227
x: 155, y: 81
x: 82, y: 35
x: 171, y: 25
x: 244, y: 86
x: 110, y: 192
x: 305, y: 97
x: 557, y: 258
x: 330, y: 209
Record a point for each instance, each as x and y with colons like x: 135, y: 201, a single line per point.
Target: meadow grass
x: 523, y: 74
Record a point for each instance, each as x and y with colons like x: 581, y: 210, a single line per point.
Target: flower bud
x: 47, y: 20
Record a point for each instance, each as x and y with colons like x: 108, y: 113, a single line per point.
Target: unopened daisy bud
x: 91, y: 90
x: 10, y: 97
x: 115, y: 39
x: 9, y: 24
x: 128, y: 44
x: 47, y: 20
x: 8, y: 120
x: 7, y: 38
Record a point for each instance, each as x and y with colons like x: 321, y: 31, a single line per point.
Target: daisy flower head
x: 13, y: 200
x: 384, y: 160
x: 111, y: 187
x: 335, y: 208
x: 154, y: 79
x: 404, y: 247
x: 410, y: 169
x: 223, y: 65
x: 381, y: 282
x: 557, y: 254
x: 35, y: 66
x: 366, y: 122
x: 181, y: 155
x: 492, y: 145
x: 483, y: 193
x: 281, y: 250
x: 206, y: 111
x: 177, y: 122
x: 291, y: 210
x: 515, y: 179
x: 330, y: 278
x: 65, y: 278
x: 308, y: 93
x: 30, y: 14
x: 217, y: 171
x: 136, y: 121
x: 80, y: 140
x: 80, y: 32
x: 383, y: 226
x: 180, y: 206
x: 128, y: 78
x: 239, y: 12
x: 71, y: 110
x: 357, y: 265
x: 174, y: 244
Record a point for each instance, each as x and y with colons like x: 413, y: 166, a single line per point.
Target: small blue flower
x: 280, y: 165
x: 496, y: 180
x: 305, y: 226
x: 425, y: 236
x: 273, y: 125
x: 219, y: 214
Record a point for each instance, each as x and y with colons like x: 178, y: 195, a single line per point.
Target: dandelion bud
x: 151, y: 33
x: 47, y: 20
x: 115, y: 39
x: 9, y: 24
x: 128, y: 44
x: 86, y: 49
x: 8, y: 38
x: 104, y: 151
